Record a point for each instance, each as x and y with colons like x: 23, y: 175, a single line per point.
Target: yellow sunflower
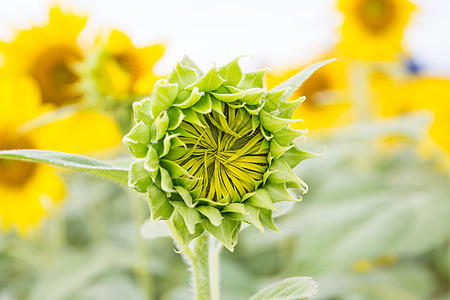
x: 121, y: 70
x: 392, y: 97
x: 47, y: 54
x: 28, y: 190
x: 373, y: 29
x: 326, y: 92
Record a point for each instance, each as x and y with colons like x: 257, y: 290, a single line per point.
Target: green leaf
x: 187, y: 62
x: 297, y: 80
x: 272, y: 99
x: 295, y: 288
x: 231, y: 72
x: 139, y: 177
x: 183, y: 75
x: 296, y: 155
x: 213, y: 214
x: 209, y: 82
x: 190, y: 215
x: 142, y: 111
x: 204, y: 105
x: 69, y: 161
x: 184, y: 237
x: 137, y: 140
x: 159, y: 127
x: 164, y: 95
x: 266, y: 218
x: 261, y: 198
x: 193, y: 98
x: 253, y: 79
x: 286, y: 108
x: 226, y: 232
x: 159, y: 204
x: 273, y: 123
x: 251, y: 217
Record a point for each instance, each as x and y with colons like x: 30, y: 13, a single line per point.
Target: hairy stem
x: 203, y: 260
x: 201, y: 268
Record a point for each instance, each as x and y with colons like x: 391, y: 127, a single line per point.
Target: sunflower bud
x: 215, y: 150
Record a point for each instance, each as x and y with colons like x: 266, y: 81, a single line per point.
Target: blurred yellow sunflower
x: 326, y: 103
x: 373, y: 29
x: 47, y: 54
x: 393, y: 97
x: 28, y: 190
x: 120, y: 70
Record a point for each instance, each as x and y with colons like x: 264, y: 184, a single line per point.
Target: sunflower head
x: 373, y: 29
x: 50, y: 58
x: 118, y: 70
x: 214, y: 150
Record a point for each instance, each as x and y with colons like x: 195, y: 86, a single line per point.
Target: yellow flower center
x: 129, y: 63
x: 53, y: 72
x: 312, y: 88
x: 15, y: 173
x: 376, y: 15
x: 227, y: 156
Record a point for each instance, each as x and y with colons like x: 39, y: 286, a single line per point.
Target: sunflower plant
x: 210, y: 151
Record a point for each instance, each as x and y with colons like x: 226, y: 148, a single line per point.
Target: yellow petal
x: 23, y: 208
x: 84, y: 131
x: 19, y: 100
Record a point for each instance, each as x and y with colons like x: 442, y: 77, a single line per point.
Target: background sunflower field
x: 375, y: 223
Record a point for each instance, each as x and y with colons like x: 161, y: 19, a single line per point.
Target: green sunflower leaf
x: 69, y: 161
x: 294, y: 288
x: 213, y: 214
x: 187, y: 62
x: 192, y: 99
x: 159, y: 204
x: 278, y: 192
x: 164, y: 95
x: 182, y: 75
x: 297, y: 80
x: 137, y: 140
x: 286, y: 135
x: 251, y: 217
x: 138, y: 177
x: 273, y: 99
x: 266, y: 218
x: 190, y: 215
x: 273, y: 123
x: 142, y: 111
x: 159, y: 127
x: 184, y: 237
x: 295, y: 155
x: 231, y: 72
x: 226, y: 232
x: 261, y: 198
x: 209, y: 82
x: 286, y: 108
x: 253, y: 79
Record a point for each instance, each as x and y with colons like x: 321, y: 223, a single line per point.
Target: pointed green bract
x: 214, y: 150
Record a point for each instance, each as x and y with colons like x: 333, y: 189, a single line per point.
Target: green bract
x: 215, y: 150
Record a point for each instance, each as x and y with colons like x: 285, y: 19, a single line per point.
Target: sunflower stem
x: 200, y: 267
x: 203, y: 260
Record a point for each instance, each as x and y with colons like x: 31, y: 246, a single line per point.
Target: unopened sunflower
x: 28, y: 190
x: 373, y: 29
x: 214, y: 150
x: 118, y: 70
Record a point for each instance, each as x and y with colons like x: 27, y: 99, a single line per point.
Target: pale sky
x: 275, y: 33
